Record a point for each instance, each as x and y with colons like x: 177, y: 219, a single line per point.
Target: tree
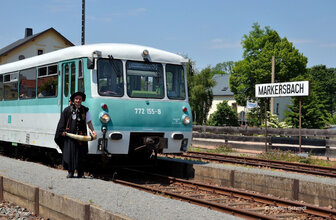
x: 200, y: 97
x: 223, y: 68
x: 323, y: 82
x: 254, y: 118
x: 313, y: 113
x: 317, y: 109
x: 223, y: 116
x: 259, y: 47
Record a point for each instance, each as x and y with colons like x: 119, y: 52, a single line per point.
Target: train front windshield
x: 144, y: 80
x: 110, y: 77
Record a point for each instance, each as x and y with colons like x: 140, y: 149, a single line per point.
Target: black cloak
x: 73, y: 120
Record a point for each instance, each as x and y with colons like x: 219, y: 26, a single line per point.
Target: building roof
x: 29, y: 38
x: 222, y: 87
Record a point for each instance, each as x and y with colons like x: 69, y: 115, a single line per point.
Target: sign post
x: 300, y: 124
x: 266, y: 126
x: 269, y: 90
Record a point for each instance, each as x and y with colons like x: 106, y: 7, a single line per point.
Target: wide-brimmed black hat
x: 76, y: 94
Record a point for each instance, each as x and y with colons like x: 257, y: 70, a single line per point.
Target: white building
x: 33, y: 44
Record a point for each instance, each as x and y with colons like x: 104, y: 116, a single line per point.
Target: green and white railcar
x: 137, y: 97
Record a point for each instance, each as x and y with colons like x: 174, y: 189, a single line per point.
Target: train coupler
x: 153, y: 143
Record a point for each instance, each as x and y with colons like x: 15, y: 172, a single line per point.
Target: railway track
x: 288, y: 166
x: 232, y: 201
x: 235, y: 202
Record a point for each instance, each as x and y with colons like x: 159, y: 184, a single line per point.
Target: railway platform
x: 49, y: 193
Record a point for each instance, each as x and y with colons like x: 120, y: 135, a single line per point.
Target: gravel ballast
x: 109, y: 196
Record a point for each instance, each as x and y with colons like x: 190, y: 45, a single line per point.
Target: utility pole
x: 272, y: 81
x: 83, y: 22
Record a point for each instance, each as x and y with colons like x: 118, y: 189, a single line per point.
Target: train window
x: 47, y: 83
x: 27, y: 86
x: 80, y: 76
x: 52, y: 69
x: 66, y: 80
x: 73, y: 78
x: 110, y: 77
x: 42, y: 71
x: 175, y: 82
x: 11, y: 86
x: 144, y: 80
x: 1, y: 87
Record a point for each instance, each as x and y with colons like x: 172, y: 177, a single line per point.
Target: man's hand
x: 94, y: 135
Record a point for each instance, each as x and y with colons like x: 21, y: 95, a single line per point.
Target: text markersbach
x: 300, y: 88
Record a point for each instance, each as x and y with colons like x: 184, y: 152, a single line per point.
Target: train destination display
x: 300, y: 88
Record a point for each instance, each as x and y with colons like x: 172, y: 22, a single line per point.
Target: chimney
x: 28, y: 32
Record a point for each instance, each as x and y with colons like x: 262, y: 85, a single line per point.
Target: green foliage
x: 313, y: 113
x: 256, y: 67
x: 290, y: 157
x: 279, y: 155
x: 223, y: 116
x: 273, y: 121
x: 253, y: 118
x: 200, y: 96
x: 190, y: 75
x: 317, y: 109
x: 223, y: 68
x: 223, y: 149
x: 323, y: 82
x: 332, y: 119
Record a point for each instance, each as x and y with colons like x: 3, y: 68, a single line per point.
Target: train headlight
x: 105, y: 118
x: 186, y: 120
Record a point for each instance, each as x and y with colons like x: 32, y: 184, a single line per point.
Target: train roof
x: 118, y: 51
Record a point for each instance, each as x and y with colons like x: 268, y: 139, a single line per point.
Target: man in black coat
x: 73, y: 120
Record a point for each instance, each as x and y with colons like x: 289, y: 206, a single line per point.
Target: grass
x: 292, y: 157
x: 271, y: 155
x: 223, y: 149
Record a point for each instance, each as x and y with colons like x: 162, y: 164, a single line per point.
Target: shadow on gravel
x: 101, y: 166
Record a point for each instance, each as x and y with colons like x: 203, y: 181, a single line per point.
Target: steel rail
x: 308, y: 209
x: 211, y: 205
x: 290, y: 166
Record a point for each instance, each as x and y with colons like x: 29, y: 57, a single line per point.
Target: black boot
x: 80, y: 174
x: 70, y: 174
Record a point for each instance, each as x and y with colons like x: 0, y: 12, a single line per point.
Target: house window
x: 39, y: 52
x: 277, y: 109
x: 234, y: 106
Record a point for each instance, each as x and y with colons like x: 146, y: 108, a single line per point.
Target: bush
x: 224, y: 116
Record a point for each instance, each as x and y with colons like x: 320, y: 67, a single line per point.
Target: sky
x: 208, y: 32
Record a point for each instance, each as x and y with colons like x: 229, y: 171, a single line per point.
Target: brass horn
x: 81, y: 137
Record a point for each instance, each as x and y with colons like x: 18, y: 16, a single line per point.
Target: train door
x: 72, y: 81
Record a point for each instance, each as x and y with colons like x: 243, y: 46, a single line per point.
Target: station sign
x: 300, y: 88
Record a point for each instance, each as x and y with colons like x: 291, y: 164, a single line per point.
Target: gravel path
x: 109, y: 196
x: 9, y: 210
